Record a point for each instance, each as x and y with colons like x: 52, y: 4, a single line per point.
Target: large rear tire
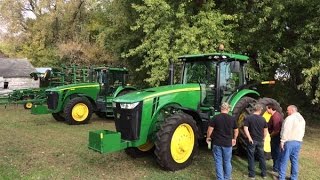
x: 176, y: 142
x: 78, y: 111
x: 267, y: 116
x: 242, y: 109
x: 265, y: 101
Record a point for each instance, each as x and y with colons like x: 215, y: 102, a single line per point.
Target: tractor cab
x: 112, y: 83
x: 219, y: 76
x: 110, y: 79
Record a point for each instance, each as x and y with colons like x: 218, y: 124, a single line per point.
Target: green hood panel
x: 156, y: 91
x: 73, y: 86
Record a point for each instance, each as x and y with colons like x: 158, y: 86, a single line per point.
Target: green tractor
x: 51, y: 78
x: 75, y: 103
x: 171, y: 120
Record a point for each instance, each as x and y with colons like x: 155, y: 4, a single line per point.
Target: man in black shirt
x: 256, y: 129
x: 222, y: 133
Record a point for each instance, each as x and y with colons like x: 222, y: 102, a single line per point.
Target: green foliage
x: 280, y: 36
x: 176, y: 28
x: 59, y: 31
x: 312, y: 82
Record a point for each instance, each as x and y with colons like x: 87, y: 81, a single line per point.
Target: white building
x: 15, y: 74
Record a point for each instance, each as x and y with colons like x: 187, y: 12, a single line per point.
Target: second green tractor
x: 75, y: 103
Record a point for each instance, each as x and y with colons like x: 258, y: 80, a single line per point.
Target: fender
x: 245, y: 92
x: 175, y: 106
x: 122, y: 88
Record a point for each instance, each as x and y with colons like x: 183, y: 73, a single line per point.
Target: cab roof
x: 217, y: 56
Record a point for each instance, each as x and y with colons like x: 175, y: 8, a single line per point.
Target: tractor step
x: 40, y: 109
x: 105, y: 141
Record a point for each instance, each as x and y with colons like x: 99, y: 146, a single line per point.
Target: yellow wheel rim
x: 240, y: 123
x: 80, y: 112
x: 29, y: 105
x: 146, y: 147
x: 241, y: 119
x: 182, y: 143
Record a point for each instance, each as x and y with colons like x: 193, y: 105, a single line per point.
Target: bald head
x: 292, y: 109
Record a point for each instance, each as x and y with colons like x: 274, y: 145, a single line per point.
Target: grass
x: 38, y: 147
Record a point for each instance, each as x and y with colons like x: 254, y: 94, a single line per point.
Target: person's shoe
x: 264, y: 177
x: 274, y: 173
x: 249, y: 177
x: 275, y: 178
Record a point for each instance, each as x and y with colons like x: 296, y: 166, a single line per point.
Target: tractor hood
x: 73, y: 86
x: 156, y: 91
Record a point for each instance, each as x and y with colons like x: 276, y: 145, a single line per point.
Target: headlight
x: 114, y: 104
x: 128, y: 106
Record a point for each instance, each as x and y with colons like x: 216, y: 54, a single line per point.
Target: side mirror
x: 125, y: 79
x: 171, y: 72
x: 246, y: 73
x: 235, y: 66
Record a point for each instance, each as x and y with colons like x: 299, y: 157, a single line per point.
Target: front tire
x: 176, y: 142
x: 58, y: 116
x: 102, y: 115
x: 78, y: 111
x: 28, y: 105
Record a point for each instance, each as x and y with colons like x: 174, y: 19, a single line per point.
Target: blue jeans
x: 222, y: 157
x: 275, y: 153
x: 258, y: 148
x: 291, y: 151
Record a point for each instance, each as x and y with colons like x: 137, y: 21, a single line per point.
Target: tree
x: 173, y: 28
x: 281, y: 36
x: 46, y: 28
x: 110, y: 21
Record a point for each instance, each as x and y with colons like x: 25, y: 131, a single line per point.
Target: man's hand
x: 208, y: 140
x: 246, y: 131
x: 282, y: 146
x: 250, y: 141
x: 234, y: 142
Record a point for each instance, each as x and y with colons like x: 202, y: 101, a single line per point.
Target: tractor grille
x: 52, y: 100
x: 128, y: 121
